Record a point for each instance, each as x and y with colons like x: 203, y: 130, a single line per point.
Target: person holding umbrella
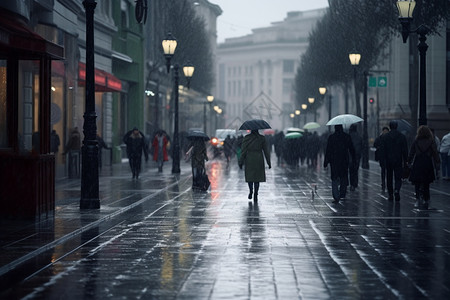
x: 135, y: 141
x: 254, y: 149
x: 339, y: 146
x: 197, y: 155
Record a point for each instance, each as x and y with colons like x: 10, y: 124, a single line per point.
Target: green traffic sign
x: 372, y: 81
x: 382, y: 81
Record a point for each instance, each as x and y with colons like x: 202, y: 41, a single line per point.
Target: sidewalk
x: 22, y: 240
x: 156, y: 238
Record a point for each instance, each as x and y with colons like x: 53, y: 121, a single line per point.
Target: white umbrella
x: 346, y: 119
x: 294, y: 129
x: 311, y: 125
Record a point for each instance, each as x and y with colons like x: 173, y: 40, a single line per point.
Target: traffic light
x: 371, y: 100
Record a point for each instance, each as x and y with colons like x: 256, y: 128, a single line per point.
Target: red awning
x: 16, y: 38
x: 104, y: 81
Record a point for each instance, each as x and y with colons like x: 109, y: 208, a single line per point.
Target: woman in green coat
x: 253, y: 147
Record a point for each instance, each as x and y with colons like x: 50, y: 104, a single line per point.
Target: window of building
x: 288, y: 66
x: 287, y: 86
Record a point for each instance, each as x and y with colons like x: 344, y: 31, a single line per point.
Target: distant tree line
x: 365, y: 26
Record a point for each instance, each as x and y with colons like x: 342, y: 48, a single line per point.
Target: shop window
x: 28, y: 106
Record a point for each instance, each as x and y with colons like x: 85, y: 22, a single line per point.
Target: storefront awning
x: 104, y: 81
x: 17, y: 39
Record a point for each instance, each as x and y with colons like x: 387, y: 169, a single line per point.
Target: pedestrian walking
x: 338, y: 152
x: 254, y: 149
x: 159, y: 145
x: 72, y: 149
x: 380, y: 156
x: 54, y: 142
x: 228, y: 148
x: 396, y: 156
x: 278, y: 145
x: 135, y: 141
x: 424, y: 161
x: 444, y: 151
x: 354, y: 163
x: 74, y: 142
x: 198, y: 157
x: 101, y: 145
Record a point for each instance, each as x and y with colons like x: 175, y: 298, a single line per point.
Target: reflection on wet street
x: 158, y: 239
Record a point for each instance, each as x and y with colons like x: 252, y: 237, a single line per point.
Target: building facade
x: 255, y: 73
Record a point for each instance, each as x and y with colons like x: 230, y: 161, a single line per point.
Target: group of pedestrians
x: 421, y: 162
x: 420, y: 165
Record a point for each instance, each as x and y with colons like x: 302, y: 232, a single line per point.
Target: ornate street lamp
x: 293, y: 119
x: 311, y: 100
x: 304, y: 106
x: 406, y: 9
x: 188, y: 71
x: 169, y: 45
x: 323, y: 91
x: 89, y: 171
x: 354, y: 60
x: 210, y: 99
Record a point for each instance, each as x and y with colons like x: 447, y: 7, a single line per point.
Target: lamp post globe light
x: 354, y: 60
x: 210, y: 99
x: 169, y: 45
x: 323, y: 91
x: 406, y: 9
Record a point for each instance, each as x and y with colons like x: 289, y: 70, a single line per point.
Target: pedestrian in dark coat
x: 354, y: 164
x: 198, y: 158
x: 339, y: 149
x: 278, y: 145
x: 54, y: 142
x: 254, y: 149
x: 424, y: 160
x: 380, y: 157
x: 396, y: 156
x: 135, y: 141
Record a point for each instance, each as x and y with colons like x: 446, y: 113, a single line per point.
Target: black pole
x: 423, y: 31
x: 176, y: 142
x: 365, y: 154
x: 89, y: 173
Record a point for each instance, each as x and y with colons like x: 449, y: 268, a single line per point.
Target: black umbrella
x: 254, y: 125
x: 404, y: 126
x: 197, y: 135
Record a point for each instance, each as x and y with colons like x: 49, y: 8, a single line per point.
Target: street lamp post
x: 354, y: 60
x: 311, y: 101
x: 293, y: 119
x: 210, y: 99
x: 297, y: 116
x: 169, y: 45
x: 323, y: 91
x: 406, y: 9
x: 89, y: 172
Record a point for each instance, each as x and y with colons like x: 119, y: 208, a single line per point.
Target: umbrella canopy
x: 404, y: 126
x: 254, y: 124
x: 197, y: 135
x: 346, y: 119
x: 293, y: 135
x: 311, y: 125
x: 268, y: 131
x: 294, y: 129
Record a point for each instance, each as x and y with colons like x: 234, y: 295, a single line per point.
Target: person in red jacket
x: 159, y: 145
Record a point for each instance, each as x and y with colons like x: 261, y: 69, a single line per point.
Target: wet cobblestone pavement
x: 156, y: 238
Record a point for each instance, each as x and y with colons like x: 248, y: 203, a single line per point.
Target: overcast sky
x: 239, y: 17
